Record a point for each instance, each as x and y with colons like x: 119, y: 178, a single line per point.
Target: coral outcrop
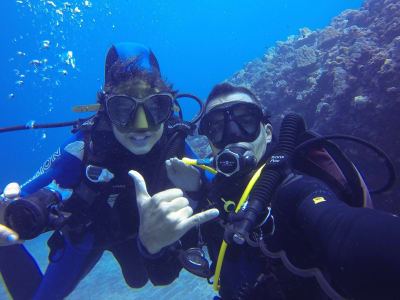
x: 344, y: 79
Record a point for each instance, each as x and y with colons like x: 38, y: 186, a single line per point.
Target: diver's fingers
x: 199, y: 219
x: 176, y: 164
x: 142, y: 196
x: 174, y: 205
x: 182, y: 214
x: 7, y: 236
x: 166, y: 196
x: 172, y: 164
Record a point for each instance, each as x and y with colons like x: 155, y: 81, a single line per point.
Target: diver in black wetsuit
x: 350, y: 252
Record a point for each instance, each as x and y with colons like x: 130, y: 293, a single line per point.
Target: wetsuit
x: 245, y: 266
x: 104, y: 215
x: 357, y: 248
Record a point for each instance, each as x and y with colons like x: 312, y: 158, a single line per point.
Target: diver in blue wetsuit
x: 87, y: 195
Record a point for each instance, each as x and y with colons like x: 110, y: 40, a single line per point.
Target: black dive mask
x: 231, y: 123
x: 235, y: 160
x: 157, y: 107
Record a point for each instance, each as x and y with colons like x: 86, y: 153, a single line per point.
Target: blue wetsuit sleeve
x: 61, y: 166
x: 359, y: 247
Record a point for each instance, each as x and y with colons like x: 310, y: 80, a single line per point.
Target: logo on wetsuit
x: 318, y: 200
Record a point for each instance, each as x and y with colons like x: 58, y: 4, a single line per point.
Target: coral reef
x: 344, y: 79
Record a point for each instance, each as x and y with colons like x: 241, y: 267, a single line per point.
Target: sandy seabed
x: 105, y: 281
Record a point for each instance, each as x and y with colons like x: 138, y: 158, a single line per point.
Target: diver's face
x: 258, y: 146
x: 139, y: 137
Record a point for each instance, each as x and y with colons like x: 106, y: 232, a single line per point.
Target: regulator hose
x: 271, y: 176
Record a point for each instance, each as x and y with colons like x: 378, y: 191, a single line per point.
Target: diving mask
x: 232, y: 122
x: 157, y: 107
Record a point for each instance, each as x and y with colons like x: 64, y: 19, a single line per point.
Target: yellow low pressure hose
x: 224, y: 245
x: 197, y: 163
x: 202, y: 164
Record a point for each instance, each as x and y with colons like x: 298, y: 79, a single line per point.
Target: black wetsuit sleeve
x: 359, y: 247
x: 164, y: 269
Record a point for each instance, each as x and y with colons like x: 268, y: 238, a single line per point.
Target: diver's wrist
x: 144, y: 251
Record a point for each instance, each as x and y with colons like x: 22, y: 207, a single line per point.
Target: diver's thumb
x: 140, y: 186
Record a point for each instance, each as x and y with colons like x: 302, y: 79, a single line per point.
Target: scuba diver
x: 87, y: 195
x: 287, y: 232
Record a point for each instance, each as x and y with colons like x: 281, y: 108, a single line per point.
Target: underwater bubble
x: 88, y: 4
x: 44, y: 136
x: 35, y: 62
x: 11, y: 95
x: 51, y: 3
x: 19, y: 82
x: 20, y: 53
x: 45, y: 44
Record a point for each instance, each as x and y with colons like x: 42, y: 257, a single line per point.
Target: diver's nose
x: 140, y: 120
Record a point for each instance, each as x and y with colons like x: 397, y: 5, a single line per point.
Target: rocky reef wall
x: 343, y: 79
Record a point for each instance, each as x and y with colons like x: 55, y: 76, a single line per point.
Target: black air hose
x: 271, y: 176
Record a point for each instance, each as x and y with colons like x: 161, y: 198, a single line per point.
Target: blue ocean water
x: 53, y: 54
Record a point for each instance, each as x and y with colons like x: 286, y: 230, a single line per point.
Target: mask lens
x: 216, y: 124
x: 119, y: 109
x: 248, y: 117
x: 158, y: 108
x: 245, y: 116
